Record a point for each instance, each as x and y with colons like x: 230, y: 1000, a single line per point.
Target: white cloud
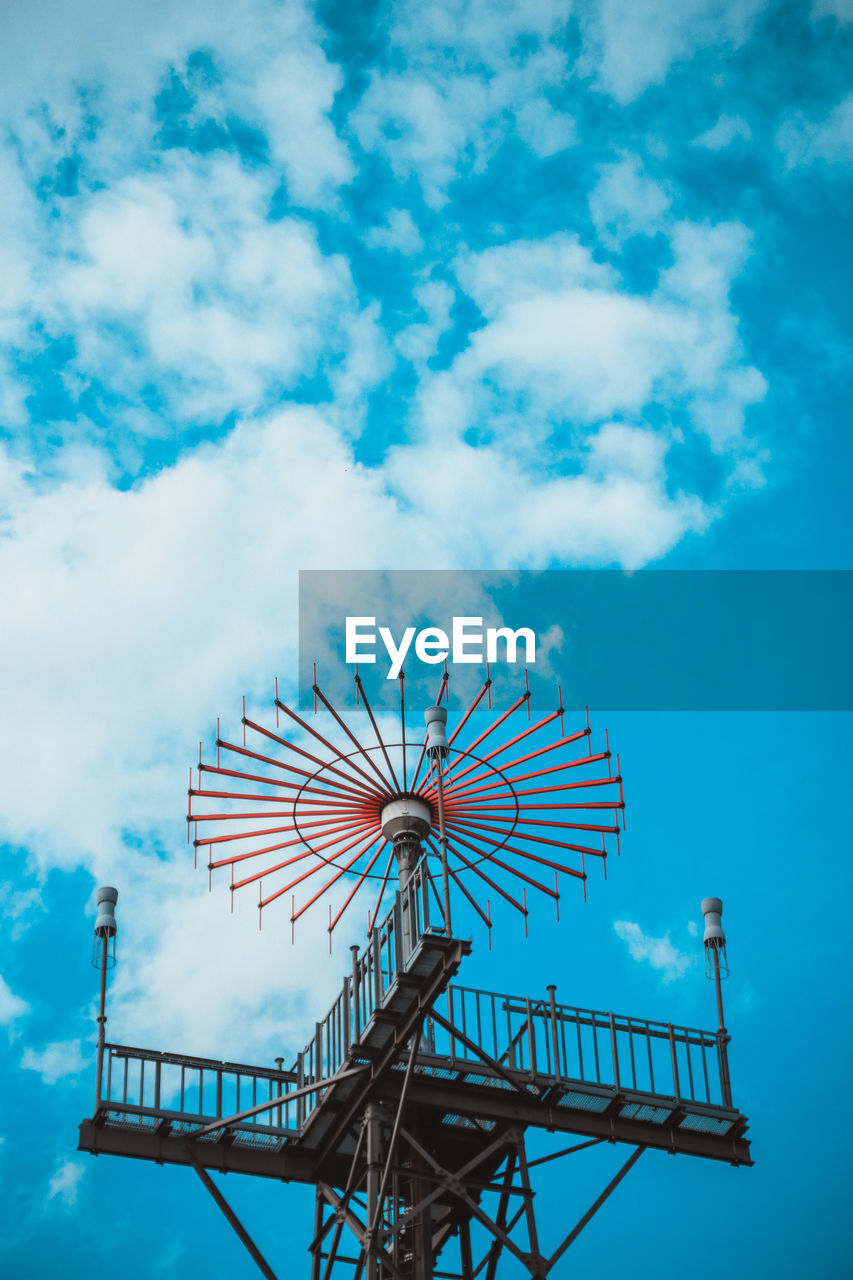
x: 476, y: 74
x: 142, y: 612
x: 841, y: 10
x: 566, y: 347
x: 829, y: 141
x: 596, y: 517
x: 726, y: 131
x: 21, y: 907
x: 545, y: 130
x: 631, y: 46
x: 82, y: 77
x: 250, y: 997
x: 56, y: 1061
x: 65, y: 1182
x: 12, y: 1007
x: 660, y: 953
x: 177, y: 277
x: 417, y: 342
x: 626, y: 202
x: 137, y: 613
x: 399, y: 232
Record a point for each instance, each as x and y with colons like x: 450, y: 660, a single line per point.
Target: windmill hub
x: 405, y: 817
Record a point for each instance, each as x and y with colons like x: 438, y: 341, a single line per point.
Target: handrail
x: 540, y: 1040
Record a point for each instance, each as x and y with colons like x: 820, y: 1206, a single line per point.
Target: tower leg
x: 374, y: 1171
x: 421, y: 1235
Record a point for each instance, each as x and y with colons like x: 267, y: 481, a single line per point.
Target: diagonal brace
x: 231, y: 1216
x: 481, y: 1053
x: 595, y: 1206
x: 480, y: 1214
x: 357, y: 1227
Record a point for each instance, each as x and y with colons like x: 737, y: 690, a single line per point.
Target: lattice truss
x: 401, y: 1207
x: 297, y: 808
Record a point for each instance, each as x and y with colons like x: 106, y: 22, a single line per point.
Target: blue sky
x: 370, y: 285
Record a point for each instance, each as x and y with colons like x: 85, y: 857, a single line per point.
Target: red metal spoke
x: 520, y: 853
x: 348, y: 785
x: 306, y: 875
x: 495, y: 809
x: 323, y: 862
x: 518, y: 821
x: 533, y: 728
x: 342, y: 872
x: 556, y: 844
x: 288, y: 844
x: 485, y: 734
x: 238, y: 817
x: 231, y: 862
x: 583, y: 784
x: 518, y: 906
x: 578, y: 762
x: 547, y: 805
x: 329, y: 746
x: 474, y: 903
x: 360, y: 689
x: 256, y: 755
x: 240, y: 795
x: 359, y: 882
x: 512, y: 870
x: 326, y: 828
x: 273, y: 782
x: 371, y: 920
x: 384, y: 781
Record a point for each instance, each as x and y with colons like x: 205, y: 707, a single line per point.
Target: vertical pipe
x: 375, y: 950
x: 674, y: 1055
x: 102, y: 1021
x: 424, y: 901
x: 279, y: 1062
x: 442, y: 841
x: 719, y: 986
x: 722, y: 1035
x: 551, y: 989
x: 402, y: 904
x: 356, y: 1000
x: 614, y: 1049
x: 371, y: 1119
x: 531, y: 1040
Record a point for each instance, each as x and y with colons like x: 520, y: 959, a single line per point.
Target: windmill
x: 408, y: 1109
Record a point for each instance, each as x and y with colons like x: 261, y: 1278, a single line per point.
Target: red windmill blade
x: 517, y: 806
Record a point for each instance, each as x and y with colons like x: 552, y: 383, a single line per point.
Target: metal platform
x: 485, y: 1063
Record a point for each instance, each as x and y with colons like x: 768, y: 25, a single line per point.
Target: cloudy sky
x: 446, y: 284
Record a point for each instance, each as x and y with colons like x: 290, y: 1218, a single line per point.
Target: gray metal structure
x: 408, y: 1108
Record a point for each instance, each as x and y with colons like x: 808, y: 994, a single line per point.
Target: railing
x: 543, y: 1038
x: 553, y: 1043
x: 374, y: 972
x: 145, y: 1088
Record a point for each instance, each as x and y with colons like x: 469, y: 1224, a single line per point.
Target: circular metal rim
x: 373, y: 875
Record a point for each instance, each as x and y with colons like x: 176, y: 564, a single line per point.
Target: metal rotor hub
x: 405, y: 818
